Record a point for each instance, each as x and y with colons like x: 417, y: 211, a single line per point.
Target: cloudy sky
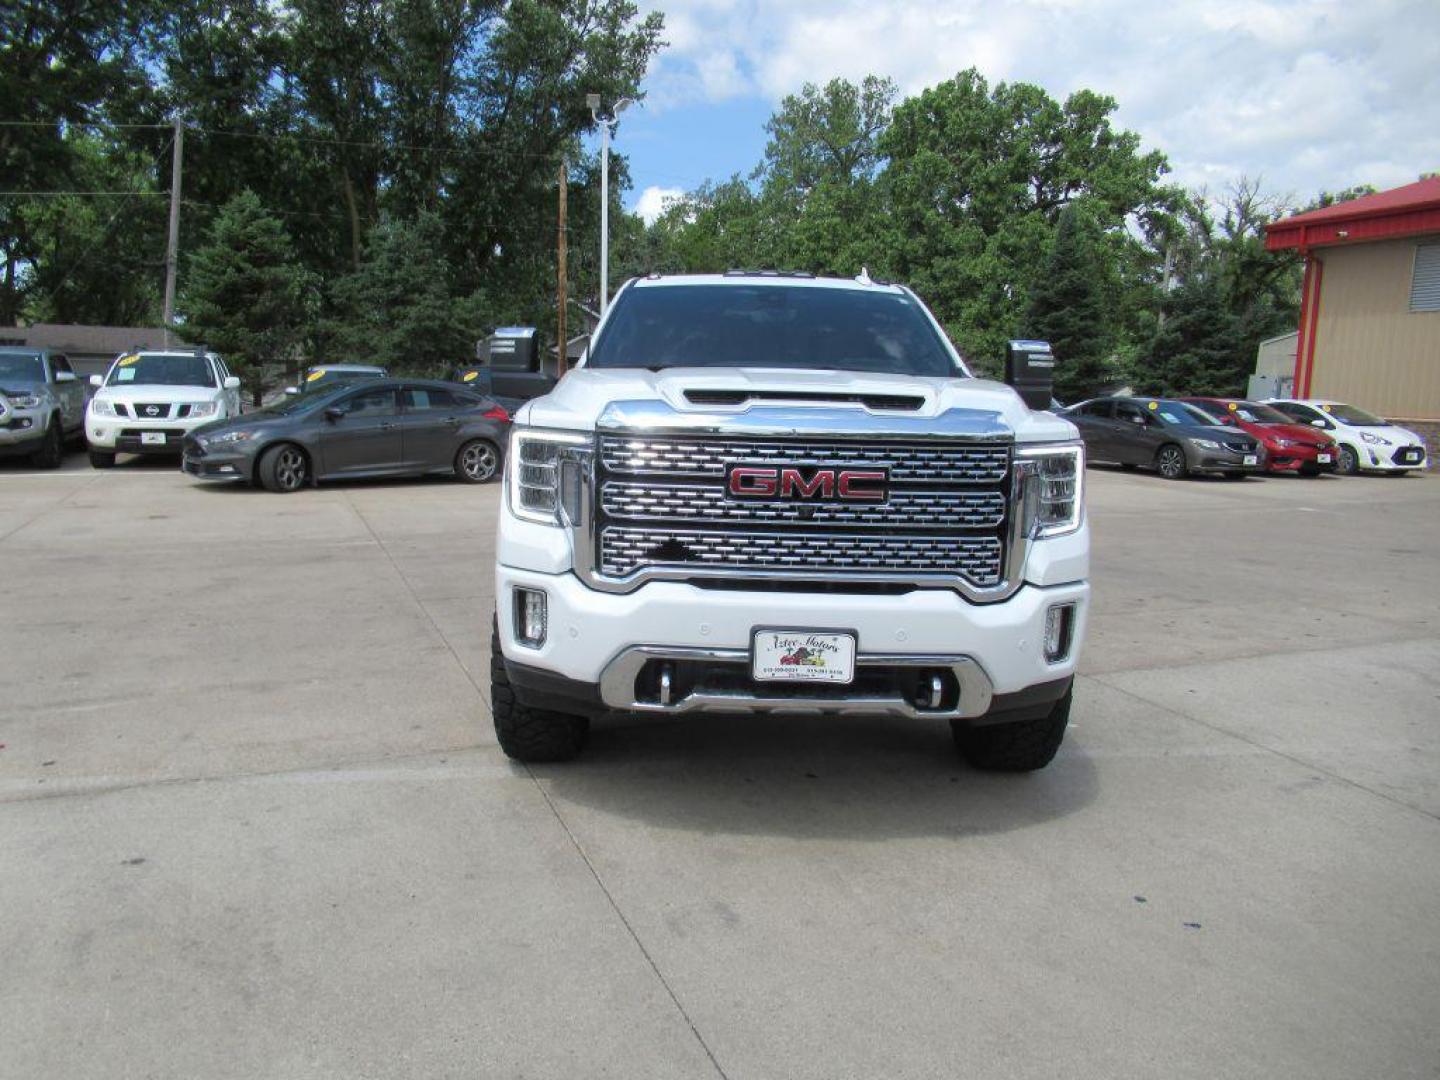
x: 1307, y: 94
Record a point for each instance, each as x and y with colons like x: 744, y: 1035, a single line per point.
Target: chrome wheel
x: 290, y: 469
x: 1171, y: 462
x: 478, y: 461
x: 1349, y: 462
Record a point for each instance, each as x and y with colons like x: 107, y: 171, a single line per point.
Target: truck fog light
x: 1059, y: 629
x: 530, y: 618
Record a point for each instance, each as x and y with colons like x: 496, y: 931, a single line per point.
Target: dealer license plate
x: 803, y: 656
x: 152, y: 438
x: 1410, y: 457
x: 1323, y: 459
x: 1251, y: 459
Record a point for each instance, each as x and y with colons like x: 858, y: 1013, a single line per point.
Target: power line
x: 80, y: 123
x: 86, y: 194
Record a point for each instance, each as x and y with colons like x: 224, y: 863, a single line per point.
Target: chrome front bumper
x: 970, y: 698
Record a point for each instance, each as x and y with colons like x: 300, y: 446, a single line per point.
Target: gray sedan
x: 384, y: 427
x: 1171, y: 437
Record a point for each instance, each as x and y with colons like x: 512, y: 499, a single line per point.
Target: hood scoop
x: 877, y: 402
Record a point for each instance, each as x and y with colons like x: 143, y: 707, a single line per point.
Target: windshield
x: 21, y: 366
x: 295, y: 403
x: 771, y: 326
x: 1261, y: 414
x: 161, y: 369
x: 1348, y: 414
x: 1179, y: 412
x: 320, y: 376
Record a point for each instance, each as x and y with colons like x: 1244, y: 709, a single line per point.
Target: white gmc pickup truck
x: 773, y: 493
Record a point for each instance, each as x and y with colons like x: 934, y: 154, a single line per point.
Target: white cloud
x: 1309, y: 94
x: 653, y: 200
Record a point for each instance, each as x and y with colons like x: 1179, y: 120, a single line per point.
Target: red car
x: 1289, y: 447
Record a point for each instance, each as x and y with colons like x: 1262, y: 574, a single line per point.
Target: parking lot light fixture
x: 605, y: 120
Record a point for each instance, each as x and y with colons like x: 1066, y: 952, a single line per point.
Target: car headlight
x: 536, y: 475
x: 1281, y: 444
x: 103, y: 407
x: 1054, y: 495
x: 24, y: 401
x: 228, y: 438
x: 1373, y: 440
x: 1205, y: 444
x: 203, y: 408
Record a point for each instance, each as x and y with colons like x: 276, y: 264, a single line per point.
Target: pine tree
x: 397, y: 309
x: 245, y: 294
x: 1067, y: 308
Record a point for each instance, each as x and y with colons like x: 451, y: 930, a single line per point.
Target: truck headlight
x: 24, y: 401
x: 202, y: 408
x: 536, y: 475
x: 103, y: 407
x: 1054, y: 494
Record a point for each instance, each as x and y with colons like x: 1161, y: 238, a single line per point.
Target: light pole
x: 605, y: 120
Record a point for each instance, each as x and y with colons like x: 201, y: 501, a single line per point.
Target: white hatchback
x: 1366, y: 443
x: 149, y: 401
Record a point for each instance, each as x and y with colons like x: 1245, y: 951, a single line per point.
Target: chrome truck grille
x: 665, y: 506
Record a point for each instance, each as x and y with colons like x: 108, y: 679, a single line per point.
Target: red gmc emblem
x: 789, y: 482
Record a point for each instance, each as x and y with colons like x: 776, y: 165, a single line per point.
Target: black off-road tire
x: 52, y: 450
x: 1018, y: 746
x: 525, y: 734
x: 284, y: 468
x: 1348, y: 462
x: 102, y: 459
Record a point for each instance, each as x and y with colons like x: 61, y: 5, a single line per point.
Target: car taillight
x: 497, y: 413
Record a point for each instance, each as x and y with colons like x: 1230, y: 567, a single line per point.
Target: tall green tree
x: 246, y: 296
x: 399, y: 308
x: 975, y: 181
x: 1067, y: 308
x: 62, y: 67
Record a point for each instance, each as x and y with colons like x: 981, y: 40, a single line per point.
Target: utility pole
x: 172, y: 248
x: 562, y: 361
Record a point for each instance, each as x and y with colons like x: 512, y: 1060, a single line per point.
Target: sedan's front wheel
x: 477, y: 462
x: 1348, y: 463
x: 1170, y: 462
x: 284, y: 468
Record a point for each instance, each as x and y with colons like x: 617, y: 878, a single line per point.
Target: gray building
x: 90, y: 349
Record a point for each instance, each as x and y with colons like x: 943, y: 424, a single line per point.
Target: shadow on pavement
x: 810, y: 778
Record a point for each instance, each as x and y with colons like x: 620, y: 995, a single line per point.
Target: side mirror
x: 334, y: 413
x: 97, y: 381
x: 292, y: 390
x: 232, y: 382
x: 1318, y: 423
x: 64, y: 376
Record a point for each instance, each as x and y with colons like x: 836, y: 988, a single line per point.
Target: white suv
x: 1366, y: 443
x: 149, y: 401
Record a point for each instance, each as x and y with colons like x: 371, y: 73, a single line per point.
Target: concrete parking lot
x: 253, y: 821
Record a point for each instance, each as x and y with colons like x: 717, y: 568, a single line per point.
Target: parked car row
x: 1226, y: 436
x: 342, y: 421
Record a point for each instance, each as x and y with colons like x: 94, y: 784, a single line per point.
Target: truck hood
x: 16, y: 387
x: 586, y: 399
x: 131, y: 392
